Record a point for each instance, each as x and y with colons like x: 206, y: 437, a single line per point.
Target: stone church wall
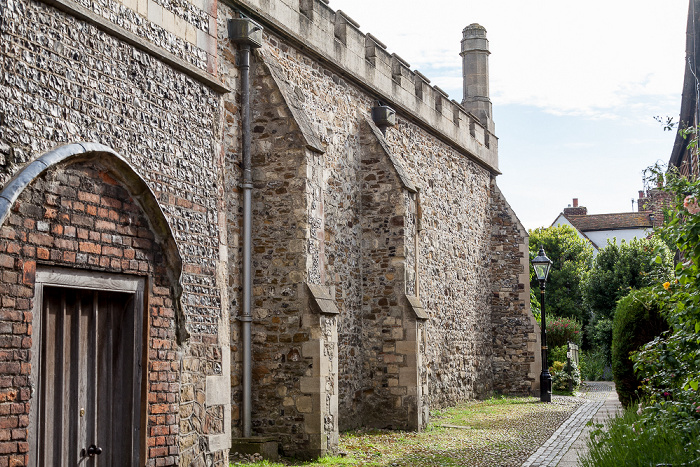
x: 65, y: 80
x: 453, y: 245
x: 375, y: 294
x: 516, y: 341
x: 453, y: 253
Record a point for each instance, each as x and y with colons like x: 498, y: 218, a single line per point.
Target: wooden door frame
x: 98, y: 281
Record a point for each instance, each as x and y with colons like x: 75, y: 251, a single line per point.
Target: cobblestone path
x: 567, y: 443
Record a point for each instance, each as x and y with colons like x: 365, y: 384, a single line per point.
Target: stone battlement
x: 336, y: 39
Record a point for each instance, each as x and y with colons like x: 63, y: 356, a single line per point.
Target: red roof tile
x: 617, y: 221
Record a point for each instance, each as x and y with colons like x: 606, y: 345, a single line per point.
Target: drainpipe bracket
x: 245, y: 319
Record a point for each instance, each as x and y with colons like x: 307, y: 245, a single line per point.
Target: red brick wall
x: 78, y: 216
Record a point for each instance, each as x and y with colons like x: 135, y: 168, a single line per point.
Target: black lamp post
x: 541, y: 264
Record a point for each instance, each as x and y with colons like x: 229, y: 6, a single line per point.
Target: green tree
x: 669, y: 366
x: 619, y: 268
x: 571, y: 256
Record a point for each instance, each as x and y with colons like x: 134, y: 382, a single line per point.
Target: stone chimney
x: 576, y: 210
x: 475, y: 70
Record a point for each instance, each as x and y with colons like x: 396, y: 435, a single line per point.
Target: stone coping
x: 316, y: 29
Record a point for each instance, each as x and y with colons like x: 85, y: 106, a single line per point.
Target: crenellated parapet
x: 336, y: 40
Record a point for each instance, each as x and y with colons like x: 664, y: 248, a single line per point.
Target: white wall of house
x: 561, y: 220
x: 601, y: 237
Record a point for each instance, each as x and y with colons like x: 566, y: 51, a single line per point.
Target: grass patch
x: 502, y: 431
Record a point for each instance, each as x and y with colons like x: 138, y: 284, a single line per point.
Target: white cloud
x: 568, y: 58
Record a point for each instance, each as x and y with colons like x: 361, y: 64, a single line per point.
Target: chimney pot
x: 641, y: 194
x: 575, y: 202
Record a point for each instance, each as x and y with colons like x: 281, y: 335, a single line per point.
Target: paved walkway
x: 569, y: 441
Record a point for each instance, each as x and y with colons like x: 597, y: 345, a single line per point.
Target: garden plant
x: 665, y: 427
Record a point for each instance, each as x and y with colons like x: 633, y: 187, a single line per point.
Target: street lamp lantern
x: 541, y: 264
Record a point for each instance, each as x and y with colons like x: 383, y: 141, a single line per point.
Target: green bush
x: 637, y: 321
x: 561, y: 330
x: 563, y: 375
x: 535, y: 307
x: 572, y: 256
x: 622, y: 266
x: 600, y: 336
x: 557, y: 354
x: 630, y: 441
x: 595, y: 365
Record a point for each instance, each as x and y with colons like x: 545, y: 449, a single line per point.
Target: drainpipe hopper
x: 383, y: 116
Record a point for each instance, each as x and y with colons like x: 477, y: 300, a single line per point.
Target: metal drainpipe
x: 246, y: 316
x: 248, y: 34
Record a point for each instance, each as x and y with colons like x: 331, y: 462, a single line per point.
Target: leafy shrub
x: 637, y: 321
x: 557, y: 354
x: 600, y: 336
x: 563, y: 375
x: 629, y: 440
x: 535, y: 307
x: 572, y: 257
x: 618, y: 268
x: 561, y: 330
x: 595, y: 366
x: 669, y: 366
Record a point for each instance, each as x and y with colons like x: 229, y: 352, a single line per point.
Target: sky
x: 575, y: 88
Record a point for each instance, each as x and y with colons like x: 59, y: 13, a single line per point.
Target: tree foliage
x: 619, y: 268
x: 572, y: 256
x: 669, y: 366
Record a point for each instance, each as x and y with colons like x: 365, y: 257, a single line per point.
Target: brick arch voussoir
x: 130, y: 179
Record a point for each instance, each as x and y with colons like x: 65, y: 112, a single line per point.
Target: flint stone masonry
x: 389, y: 273
x: 516, y: 333
x: 353, y: 227
x: 64, y: 80
x: 362, y: 60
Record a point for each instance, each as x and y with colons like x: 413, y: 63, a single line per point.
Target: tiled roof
x: 617, y: 221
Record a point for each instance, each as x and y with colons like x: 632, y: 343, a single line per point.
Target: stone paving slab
x: 559, y: 446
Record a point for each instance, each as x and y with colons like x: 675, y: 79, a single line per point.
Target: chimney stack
x: 576, y: 210
x: 475, y: 70
x: 643, y: 203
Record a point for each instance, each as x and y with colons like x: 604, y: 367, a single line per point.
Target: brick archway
x: 127, y: 176
x: 83, y: 210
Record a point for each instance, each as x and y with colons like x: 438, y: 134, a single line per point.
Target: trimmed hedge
x: 637, y: 321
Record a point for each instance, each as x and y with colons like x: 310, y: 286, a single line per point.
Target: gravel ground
x: 487, y: 433
x: 492, y: 433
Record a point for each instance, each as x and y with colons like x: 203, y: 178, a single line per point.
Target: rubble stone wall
x: 454, y: 244
x: 453, y: 250
x: 515, y: 330
x: 388, y: 398
x: 65, y: 80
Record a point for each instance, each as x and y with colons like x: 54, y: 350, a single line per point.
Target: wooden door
x: 89, y: 388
